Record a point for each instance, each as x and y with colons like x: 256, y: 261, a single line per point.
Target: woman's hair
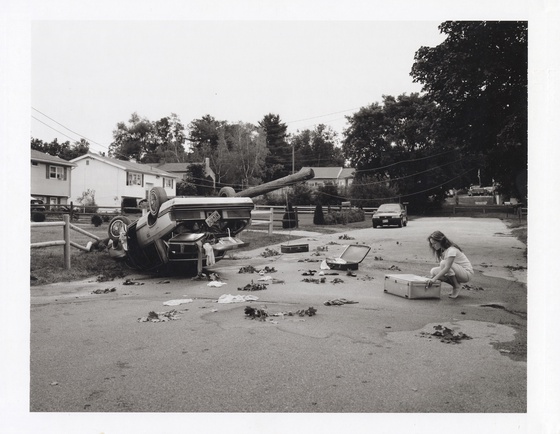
x: 443, y: 241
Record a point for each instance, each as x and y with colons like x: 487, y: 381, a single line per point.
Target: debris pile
x: 473, y: 288
x: 345, y: 237
x: 104, y: 291
x: 394, y: 268
x: 309, y: 311
x: 132, y: 282
x: 253, y: 313
x: 248, y: 269
x: 253, y: 287
x: 337, y: 280
x: 338, y: 302
x: 269, y: 252
x: 312, y: 280
x: 447, y: 335
x: 170, y: 315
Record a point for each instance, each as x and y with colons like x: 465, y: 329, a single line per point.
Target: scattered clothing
x: 177, y: 302
x: 228, y: 298
x: 338, y: 302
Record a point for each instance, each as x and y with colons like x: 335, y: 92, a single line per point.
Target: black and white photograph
x: 280, y: 218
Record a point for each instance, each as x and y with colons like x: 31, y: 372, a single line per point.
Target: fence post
x: 297, y: 217
x: 270, y: 225
x: 66, y: 232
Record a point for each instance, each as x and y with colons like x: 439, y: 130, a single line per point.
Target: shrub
x: 344, y: 217
x: 319, y: 216
x: 38, y: 217
x: 289, y: 219
x: 96, y: 220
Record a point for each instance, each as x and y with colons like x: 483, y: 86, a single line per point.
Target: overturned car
x: 189, y: 232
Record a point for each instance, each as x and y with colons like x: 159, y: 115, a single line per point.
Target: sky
x: 87, y: 76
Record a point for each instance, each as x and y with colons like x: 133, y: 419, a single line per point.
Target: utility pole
x: 293, y: 165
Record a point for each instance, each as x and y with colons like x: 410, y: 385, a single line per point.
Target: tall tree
x: 278, y: 160
x: 249, y: 149
x: 170, y: 133
x: 478, y: 78
x: 203, y: 132
x: 317, y: 147
x: 137, y: 141
x: 64, y: 150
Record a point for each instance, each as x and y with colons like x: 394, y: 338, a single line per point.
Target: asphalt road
x: 90, y: 353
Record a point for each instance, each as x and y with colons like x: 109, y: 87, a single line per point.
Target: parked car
x: 390, y: 214
x: 37, y: 205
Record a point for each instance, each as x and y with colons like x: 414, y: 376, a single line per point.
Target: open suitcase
x: 350, y: 257
x: 411, y: 286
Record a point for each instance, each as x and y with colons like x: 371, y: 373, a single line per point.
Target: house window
x: 34, y: 163
x: 134, y: 179
x: 168, y: 182
x: 56, y: 172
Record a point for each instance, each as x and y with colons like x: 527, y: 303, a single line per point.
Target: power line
x: 78, y: 134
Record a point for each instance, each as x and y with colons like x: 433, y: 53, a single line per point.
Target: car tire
x: 116, y: 225
x: 226, y: 192
x: 405, y: 222
x: 156, y: 198
x: 374, y: 226
x: 400, y: 223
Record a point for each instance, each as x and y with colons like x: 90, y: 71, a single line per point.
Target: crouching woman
x: 454, y: 266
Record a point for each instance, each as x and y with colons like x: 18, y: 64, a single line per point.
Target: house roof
x: 126, y: 165
x: 174, y: 167
x: 332, y: 172
x: 46, y: 158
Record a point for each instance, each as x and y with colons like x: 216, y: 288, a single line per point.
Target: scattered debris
x: 269, y: 252
x: 267, y: 269
x: 515, y: 267
x: 309, y: 260
x: 161, y: 316
x: 447, y: 335
x: 473, y: 287
x: 310, y: 280
x: 378, y: 258
x: 351, y: 274
x: 333, y: 243
x: 104, y: 278
x: 504, y: 351
x: 309, y: 311
x: 338, y: 302
x: 177, y: 302
x: 253, y: 287
x: 104, y: 291
x: 216, y: 284
x: 366, y: 277
x: 132, y: 282
x: 248, y: 269
x: 253, y: 313
x: 207, y: 276
x: 228, y: 298
x: 337, y: 280
x: 164, y: 281
x: 309, y: 273
x: 322, y: 248
x: 394, y: 268
x: 345, y: 237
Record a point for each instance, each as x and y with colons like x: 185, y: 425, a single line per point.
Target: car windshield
x: 389, y: 208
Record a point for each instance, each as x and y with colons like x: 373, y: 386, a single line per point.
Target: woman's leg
x: 457, y: 275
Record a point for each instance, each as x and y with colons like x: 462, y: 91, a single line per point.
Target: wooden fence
x: 66, y: 242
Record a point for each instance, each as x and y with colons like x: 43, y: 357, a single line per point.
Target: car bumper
x: 386, y: 221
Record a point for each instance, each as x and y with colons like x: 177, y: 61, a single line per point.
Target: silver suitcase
x: 411, y: 286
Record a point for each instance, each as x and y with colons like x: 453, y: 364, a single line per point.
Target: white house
x: 116, y: 182
x: 339, y: 176
x: 51, y: 178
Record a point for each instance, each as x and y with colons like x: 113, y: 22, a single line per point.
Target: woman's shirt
x: 460, y: 258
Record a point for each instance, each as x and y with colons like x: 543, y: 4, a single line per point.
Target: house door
x: 149, y: 186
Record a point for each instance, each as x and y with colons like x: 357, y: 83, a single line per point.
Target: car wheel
x: 226, y: 192
x: 156, y: 197
x: 400, y: 223
x: 374, y: 226
x: 405, y: 222
x: 117, y: 225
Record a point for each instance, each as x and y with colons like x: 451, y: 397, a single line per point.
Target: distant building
x: 339, y: 176
x: 51, y: 178
x: 180, y: 170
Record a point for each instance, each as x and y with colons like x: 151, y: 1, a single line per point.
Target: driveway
x: 91, y: 352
